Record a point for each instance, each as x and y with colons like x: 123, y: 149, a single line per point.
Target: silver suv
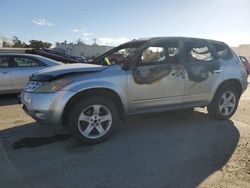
x: 156, y: 74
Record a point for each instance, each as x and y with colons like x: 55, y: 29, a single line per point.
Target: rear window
x: 222, y: 50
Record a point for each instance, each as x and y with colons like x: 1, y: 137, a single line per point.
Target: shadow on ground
x: 32, y: 142
x: 160, y: 150
x: 6, y: 100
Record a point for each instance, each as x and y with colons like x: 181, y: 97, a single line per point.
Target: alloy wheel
x: 227, y: 103
x: 94, y: 121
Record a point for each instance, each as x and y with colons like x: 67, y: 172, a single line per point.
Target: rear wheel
x: 93, y: 120
x: 224, y: 104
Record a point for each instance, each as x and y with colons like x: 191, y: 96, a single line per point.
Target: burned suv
x: 156, y: 74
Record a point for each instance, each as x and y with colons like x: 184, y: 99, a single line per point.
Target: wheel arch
x: 105, y: 92
x: 230, y: 83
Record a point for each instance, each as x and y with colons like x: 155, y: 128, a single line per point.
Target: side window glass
x: 198, y: 52
x: 4, y: 62
x: 222, y: 51
x: 24, y: 62
x: 166, y: 53
x: 153, y: 55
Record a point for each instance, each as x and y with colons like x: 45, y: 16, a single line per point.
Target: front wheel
x: 224, y: 104
x: 92, y: 120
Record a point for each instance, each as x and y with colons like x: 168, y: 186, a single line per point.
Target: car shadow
x: 11, y: 99
x: 32, y: 135
x: 162, y: 150
x: 158, y: 150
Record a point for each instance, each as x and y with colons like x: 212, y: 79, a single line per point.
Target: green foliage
x: 16, y: 43
x: 6, y: 44
x: 39, y: 44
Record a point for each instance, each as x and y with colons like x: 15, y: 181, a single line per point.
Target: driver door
x: 157, y: 80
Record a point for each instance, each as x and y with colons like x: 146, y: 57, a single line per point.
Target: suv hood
x: 55, y: 72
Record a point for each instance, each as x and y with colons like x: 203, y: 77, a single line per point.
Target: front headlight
x: 48, y: 87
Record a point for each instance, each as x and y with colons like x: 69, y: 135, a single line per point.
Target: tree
x: 17, y: 43
x: 39, y: 44
x: 79, y: 42
x: 47, y: 44
x: 6, y: 44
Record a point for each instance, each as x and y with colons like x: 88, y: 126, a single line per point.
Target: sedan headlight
x: 47, y: 87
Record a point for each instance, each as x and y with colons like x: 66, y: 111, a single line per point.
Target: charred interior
x: 193, y: 57
x: 158, y: 61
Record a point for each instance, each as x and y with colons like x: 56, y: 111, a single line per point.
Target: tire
x: 217, y: 108
x: 89, y: 125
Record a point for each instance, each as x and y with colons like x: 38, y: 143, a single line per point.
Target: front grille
x: 32, y: 86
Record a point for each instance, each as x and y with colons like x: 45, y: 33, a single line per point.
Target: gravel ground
x: 161, y: 150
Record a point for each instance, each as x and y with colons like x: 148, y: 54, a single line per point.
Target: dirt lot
x: 163, y: 150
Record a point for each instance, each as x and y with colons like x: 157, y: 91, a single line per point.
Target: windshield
x: 116, y: 56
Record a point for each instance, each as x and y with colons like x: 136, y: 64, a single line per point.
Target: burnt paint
x: 33, y: 142
x: 152, y: 73
x: 198, y: 72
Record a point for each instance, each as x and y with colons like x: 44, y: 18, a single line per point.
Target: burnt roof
x: 143, y: 40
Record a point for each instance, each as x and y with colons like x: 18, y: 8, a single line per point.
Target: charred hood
x: 55, y: 72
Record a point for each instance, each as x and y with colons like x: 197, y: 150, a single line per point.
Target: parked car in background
x: 116, y: 58
x: 58, y: 56
x: 157, y: 74
x: 15, y: 70
x: 246, y: 64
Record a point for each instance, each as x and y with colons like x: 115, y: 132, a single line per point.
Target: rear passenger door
x: 5, y: 74
x: 23, y: 68
x: 203, y: 70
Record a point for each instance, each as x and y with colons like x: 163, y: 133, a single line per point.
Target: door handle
x: 218, y: 71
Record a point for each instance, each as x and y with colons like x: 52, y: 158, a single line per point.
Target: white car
x: 15, y: 70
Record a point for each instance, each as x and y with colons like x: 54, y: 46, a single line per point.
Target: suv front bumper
x: 46, y: 108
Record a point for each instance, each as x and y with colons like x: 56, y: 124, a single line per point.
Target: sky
x: 113, y: 22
